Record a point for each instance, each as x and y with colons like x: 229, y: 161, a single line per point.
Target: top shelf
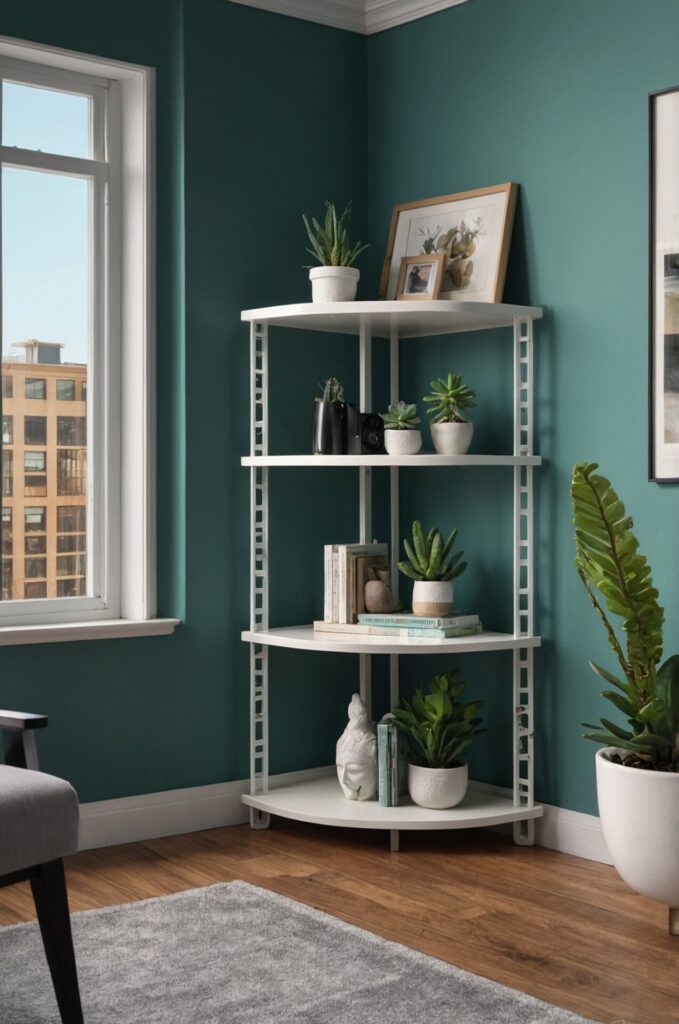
x: 409, y: 319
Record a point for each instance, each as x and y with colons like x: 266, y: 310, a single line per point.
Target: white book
x: 327, y: 582
x: 335, y: 584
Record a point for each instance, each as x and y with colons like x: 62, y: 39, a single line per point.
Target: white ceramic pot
x: 402, y: 442
x: 433, y: 597
x: 437, y: 788
x: 452, y: 438
x: 333, y: 284
x: 640, y: 819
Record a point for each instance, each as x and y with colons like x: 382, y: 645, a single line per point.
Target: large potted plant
x: 329, y: 420
x: 402, y: 434
x: 335, y: 280
x: 450, y: 432
x: 431, y: 562
x: 439, y: 728
x: 638, y: 769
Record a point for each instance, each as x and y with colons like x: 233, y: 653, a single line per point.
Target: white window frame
x: 121, y: 395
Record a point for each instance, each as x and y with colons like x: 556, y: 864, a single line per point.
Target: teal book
x: 386, y: 785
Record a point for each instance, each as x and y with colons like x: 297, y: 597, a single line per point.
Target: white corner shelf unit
x: 319, y: 798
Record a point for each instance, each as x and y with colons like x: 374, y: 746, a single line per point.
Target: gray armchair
x: 39, y: 826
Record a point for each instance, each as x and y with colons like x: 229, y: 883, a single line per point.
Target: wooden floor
x: 566, y: 930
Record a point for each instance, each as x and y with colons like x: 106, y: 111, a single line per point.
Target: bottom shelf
x: 320, y: 800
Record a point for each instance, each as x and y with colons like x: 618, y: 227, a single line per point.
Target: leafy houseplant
x: 402, y: 434
x: 439, y: 728
x: 451, y: 433
x: 430, y: 561
x: 632, y: 803
x: 335, y: 280
x: 329, y: 420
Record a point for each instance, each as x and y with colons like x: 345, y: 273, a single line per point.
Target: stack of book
x: 346, y: 568
x: 409, y: 625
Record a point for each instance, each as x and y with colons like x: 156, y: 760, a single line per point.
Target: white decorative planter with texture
x: 402, y: 442
x: 433, y: 597
x: 640, y: 819
x: 437, y: 788
x: 452, y: 438
x: 333, y: 284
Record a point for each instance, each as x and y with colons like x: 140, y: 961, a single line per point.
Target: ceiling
x: 363, y: 16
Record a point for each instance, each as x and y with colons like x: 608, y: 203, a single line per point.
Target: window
x: 7, y: 429
x: 35, y: 430
x: 65, y: 390
x: 71, y: 430
x: 36, y: 387
x: 77, y: 281
x: 7, y: 390
x: 7, y: 481
x: 7, y: 579
x: 35, y: 519
x: 7, y: 530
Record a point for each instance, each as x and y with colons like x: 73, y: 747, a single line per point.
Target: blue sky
x: 45, y: 224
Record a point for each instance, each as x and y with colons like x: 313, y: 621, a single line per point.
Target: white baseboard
x: 173, y: 812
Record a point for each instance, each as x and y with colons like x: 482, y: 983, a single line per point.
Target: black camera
x: 365, y: 432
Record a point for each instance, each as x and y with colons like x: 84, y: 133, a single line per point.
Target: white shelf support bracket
x: 365, y: 491
x: 394, y: 386
x: 259, y: 571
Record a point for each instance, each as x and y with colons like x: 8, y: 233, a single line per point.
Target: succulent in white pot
x: 450, y: 432
x: 439, y: 728
x: 402, y: 434
x: 638, y: 771
x: 336, y: 279
x: 431, y: 562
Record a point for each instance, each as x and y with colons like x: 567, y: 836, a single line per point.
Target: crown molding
x: 363, y: 16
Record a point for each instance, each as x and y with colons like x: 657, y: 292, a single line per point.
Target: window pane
x: 70, y: 542
x: 35, y: 589
x: 46, y: 119
x: 7, y: 483
x: 71, y: 430
x: 6, y: 385
x: 36, y: 387
x: 35, y: 568
x: 71, y: 519
x: 65, y: 390
x: 35, y: 430
x: 70, y: 565
x: 7, y: 579
x: 35, y: 544
x: 35, y: 519
x: 70, y: 471
x: 71, y: 588
x: 7, y: 531
x: 7, y: 429
x: 34, y: 462
x: 35, y: 486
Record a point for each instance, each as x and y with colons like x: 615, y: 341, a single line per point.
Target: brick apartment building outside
x: 44, y: 483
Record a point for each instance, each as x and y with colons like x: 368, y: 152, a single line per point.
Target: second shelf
x: 306, y: 638
x: 424, y: 459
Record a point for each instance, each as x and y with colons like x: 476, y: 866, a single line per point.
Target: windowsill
x: 96, y: 630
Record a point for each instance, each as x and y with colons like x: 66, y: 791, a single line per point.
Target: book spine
x: 362, y: 630
x: 342, y: 582
x: 335, y: 584
x: 327, y: 581
x: 393, y: 751
x: 384, y: 773
x: 351, y: 588
x: 413, y: 622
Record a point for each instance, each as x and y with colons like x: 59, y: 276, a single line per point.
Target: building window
x: 67, y: 542
x: 71, y: 519
x: 35, y: 544
x: 7, y: 389
x: 71, y: 588
x: 35, y: 519
x: 70, y: 471
x: 71, y: 565
x: 35, y: 589
x: 35, y: 568
x: 7, y: 579
x: 65, y: 390
x: 71, y: 430
x: 83, y: 391
x: 36, y: 387
x: 7, y: 530
x: 35, y: 430
x: 7, y: 481
x: 35, y: 476
x: 8, y: 430
x: 35, y: 462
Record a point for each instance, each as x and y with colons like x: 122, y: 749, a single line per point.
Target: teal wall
x: 554, y: 96
x: 547, y: 94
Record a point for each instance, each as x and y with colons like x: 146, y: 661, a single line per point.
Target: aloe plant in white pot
x: 439, y: 728
x: 450, y: 431
x: 433, y: 565
x: 336, y: 279
x: 637, y: 771
x: 402, y: 434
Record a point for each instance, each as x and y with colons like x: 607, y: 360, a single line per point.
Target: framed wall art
x: 420, y: 277
x: 472, y: 230
x: 663, y: 301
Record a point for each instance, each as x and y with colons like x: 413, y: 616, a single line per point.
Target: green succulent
x: 330, y: 243
x: 448, y: 398
x: 618, y: 580
x: 332, y: 390
x: 401, y: 417
x: 438, y: 726
x: 430, y: 558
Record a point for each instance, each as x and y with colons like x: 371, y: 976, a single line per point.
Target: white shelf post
x: 523, y: 774
x: 394, y: 689
x: 365, y: 491
x: 259, y: 571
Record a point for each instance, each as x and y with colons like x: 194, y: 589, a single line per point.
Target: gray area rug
x: 235, y: 953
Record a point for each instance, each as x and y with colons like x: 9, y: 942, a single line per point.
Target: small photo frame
x: 420, y: 277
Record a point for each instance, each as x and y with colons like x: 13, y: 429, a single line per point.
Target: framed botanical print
x: 664, y: 286
x: 472, y: 230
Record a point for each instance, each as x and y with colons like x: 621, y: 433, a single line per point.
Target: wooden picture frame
x: 425, y: 289
x: 663, y: 287
x: 477, y: 224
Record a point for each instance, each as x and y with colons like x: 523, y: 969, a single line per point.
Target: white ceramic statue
x: 356, y: 755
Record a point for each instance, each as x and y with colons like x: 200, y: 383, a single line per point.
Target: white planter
x: 433, y: 597
x: 640, y: 819
x: 333, y: 284
x: 402, y: 442
x: 437, y: 788
x: 452, y: 438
